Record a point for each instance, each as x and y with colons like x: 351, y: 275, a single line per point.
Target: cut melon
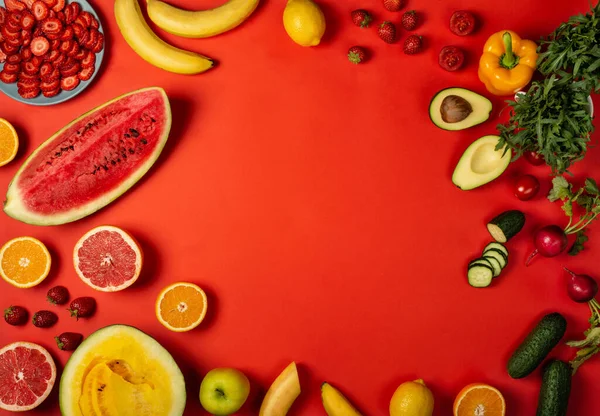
x: 92, y: 161
x: 121, y: 371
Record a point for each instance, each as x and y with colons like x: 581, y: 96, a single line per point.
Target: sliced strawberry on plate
x: 29, y: 94
x: 39, y: 45
x: 84, y: 37
x: 8, y: 49
x: 46, y: 70
x: 8, y: 78
x: 95, y: 24
x: 26, y: 54
x: 12, y: 68
x: 49, y: 85
x: 89, y: 61
x: 37, y: 60
x: 78, y: 30
x: 55, y: 44
x: 8, y: 34
x: 70, y: 70
x: 60, y: 5
x: 50, y: 3
x: 99, y: 43
x: 14, y: 42
x: 81, y: 21
x: 2, y: 57
x: 2, y: 15
x: 91, y: 42
x: 51, y: 93
x: 52, y: 25
x: 14, y: 5
x: 16, y: 17
x: 81, y: 54
x: 27, y: 21
x: 28, y: 84
x: 74, y: 50
x: 61, y: 16
x: 13, y: 59
x: 23, y: 76
x: 69, y: 83
x: 28, y: 3
x: 29, y: 68
x: 26, y: 37
x: 68, y: 33
x: 86, y: 73
x: 58, y: 62
x: 40, y: 10
x: 52, y: 56
x: 13, y: 25
x: 65, y: 46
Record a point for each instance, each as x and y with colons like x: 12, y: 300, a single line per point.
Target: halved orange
x: 24, y: 262
x: 181, y: 306
x: 479, y: 399
x: 9, y: 142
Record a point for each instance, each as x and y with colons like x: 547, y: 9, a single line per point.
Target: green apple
x: 224, y: 391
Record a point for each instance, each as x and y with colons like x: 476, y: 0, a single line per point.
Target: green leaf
x: 561, y: 189
x: 578, y: 245
x: 568, y: 208
x: 591, y: 187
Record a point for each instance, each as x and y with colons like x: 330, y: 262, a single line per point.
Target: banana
x: 335, y: 403
x: 282, y: 393
x: 201, y: 23
x: 150, y: 47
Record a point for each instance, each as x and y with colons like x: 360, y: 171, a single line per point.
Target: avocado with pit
x: 458, y: 109
x: 481, y: 163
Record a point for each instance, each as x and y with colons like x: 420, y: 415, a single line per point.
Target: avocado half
x: 481, y: 163
x: 458, y: 109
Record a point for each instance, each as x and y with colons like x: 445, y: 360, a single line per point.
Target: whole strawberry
x: 393, y: 5
x: 83, y: 307
x: 387, y: 32
x: 58, y: 295
x: 68, y: 341
x: 412, y: 45
x: 16, y: 315
x: 356, y: 54
x: 44, y: 319
x: 361, y: 18
x: 410, y: 20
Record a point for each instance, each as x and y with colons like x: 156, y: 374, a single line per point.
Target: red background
x: 312, y: 200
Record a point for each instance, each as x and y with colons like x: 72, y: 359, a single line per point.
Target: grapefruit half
x: 27, y: 375
x: 108, y: 259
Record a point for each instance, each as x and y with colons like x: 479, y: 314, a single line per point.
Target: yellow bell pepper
x: 508, y: 63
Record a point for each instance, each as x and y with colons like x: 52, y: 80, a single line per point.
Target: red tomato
x: 462, y: 23
x: 451, y: 58
x: 534, y: 158
x: 526, y: 187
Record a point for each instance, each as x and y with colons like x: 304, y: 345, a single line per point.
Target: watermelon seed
x: 144, y: 141
x: 134, y: 132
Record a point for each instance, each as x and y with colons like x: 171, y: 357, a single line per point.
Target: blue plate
x: 11, y: 89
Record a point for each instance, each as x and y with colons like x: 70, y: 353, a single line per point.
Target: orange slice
x: 24, y: 262
x: 181, y: 306
x: 9, y: 142
x: 479, y: 399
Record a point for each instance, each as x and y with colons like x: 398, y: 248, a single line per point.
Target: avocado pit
x: 455, y: 109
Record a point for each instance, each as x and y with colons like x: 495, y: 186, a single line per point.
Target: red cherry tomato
x: 462, y: 23
x: 526, y: 187
x: 534, y: 158
x: 451, y: 58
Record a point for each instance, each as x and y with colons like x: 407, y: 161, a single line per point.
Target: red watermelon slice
x: 91, y: 161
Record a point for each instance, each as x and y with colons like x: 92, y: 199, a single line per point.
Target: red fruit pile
x: 47, y: 46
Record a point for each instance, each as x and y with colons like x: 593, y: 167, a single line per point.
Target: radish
x: 581, y: 287
x: 549, y: 241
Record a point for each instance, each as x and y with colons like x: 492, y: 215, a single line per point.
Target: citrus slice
x: 24, y: 262
x: 181, y: 306
x: 27, y: 375
x: 9, y: 142
x: 107, y: 259
x: 479, y: 399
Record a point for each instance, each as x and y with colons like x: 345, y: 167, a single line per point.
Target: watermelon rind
x: 15, y: 207
x: 69, y: 386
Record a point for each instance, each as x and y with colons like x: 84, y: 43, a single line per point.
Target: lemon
x: 304, y: 22
x: 412, y: 398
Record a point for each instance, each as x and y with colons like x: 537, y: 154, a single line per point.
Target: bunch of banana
x: 192, y: 24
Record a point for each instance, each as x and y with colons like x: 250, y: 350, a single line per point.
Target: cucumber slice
x: 496, y: 266
x: 481, y: 260
x: 480, y: 275
x: 505, y: 226
x: 497, y: 246
x: 498, y: 255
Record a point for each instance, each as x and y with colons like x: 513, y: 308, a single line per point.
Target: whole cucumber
x: 537, y: 345
x: 555, y: 390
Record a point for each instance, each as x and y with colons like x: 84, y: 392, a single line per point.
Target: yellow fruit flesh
x: 304, y: 22
x: 119, y: 376
x: 282, y: 393
x: 9, y: 142
x: 201, y: 23
x: 335, y: 403
x: 412, y: 398
x: 24, y: 262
